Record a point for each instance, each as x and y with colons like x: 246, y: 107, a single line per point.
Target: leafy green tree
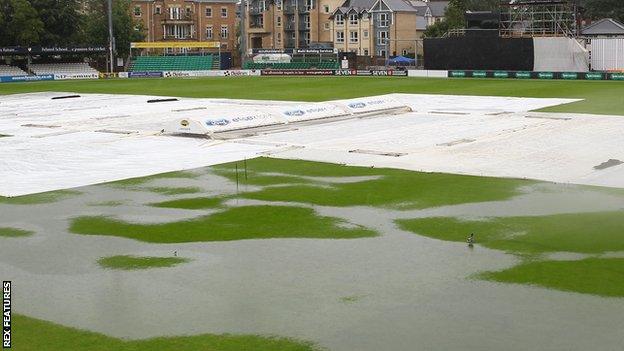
x: 454, y: 15
x: 125, y: 28
x: 20, y: 23
x: 597, y: 9
x: 61, y: 21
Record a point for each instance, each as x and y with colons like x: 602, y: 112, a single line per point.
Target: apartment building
x: 188, y: 20
x: 286, y: 24
x: 383, y: 27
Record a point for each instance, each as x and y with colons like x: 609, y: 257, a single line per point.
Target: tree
x: 20, y: 23
x: 598, y: 9
x: 454, y: 15
x: 125, y: 29
x: 61, y: 21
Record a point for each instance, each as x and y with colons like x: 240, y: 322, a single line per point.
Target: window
x: 279, y: 37
x: 381, y: 37
x: 365, y: 34
x: 157, y: 10
x: 326, y: 8
x: 339, y: 37
x: 175, y: 13
x: 188, y: 12
x: 309, y: 5
x: 278, y: 3
x: 306, y: 37
x: 404, y: 52
x: 208, y: 11
x: 293, y: 36
x: 353, y: 37
x: 137, y: 11
x: 326, y: 25
x: 279, y: 21
x: 382, y: 53
x: 365, y: 52
x: 208, y: 32
x: 339, y: 20
x: 353, y: 19
x: 383, y: 20
x: 224, y: 32
x: 306, y: 20
x: 364, y: 15
x: 224, y: 12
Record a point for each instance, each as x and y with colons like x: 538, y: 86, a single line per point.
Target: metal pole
x: 110, y: 37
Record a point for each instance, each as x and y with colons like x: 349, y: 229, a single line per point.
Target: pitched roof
x: 606, y: 26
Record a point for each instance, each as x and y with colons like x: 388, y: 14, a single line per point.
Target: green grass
x: 579, y: 232
x: 8, y: 232
x: 34, y: 334
x: 125, y: 262
x: 249, y: 222
x: 195, y: 203
x: 601, y: 97
x: 598, y: 276
x: 41, y: 198
x: 395, y: 188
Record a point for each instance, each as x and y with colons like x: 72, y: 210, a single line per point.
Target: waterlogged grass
x: 111, y: 203
x: 142, y: 180
x: 257, y: 178
x: 579, y: 232
x: 125, y: 262
x: 175, y: 190
x: 41, y: 198
x: 599, y: 97
x: 249, y: 222
x: 8, y: 232
x: 394, y: 187
x: 196, y: 203
x: 597, y: 276
x: 34, y: 334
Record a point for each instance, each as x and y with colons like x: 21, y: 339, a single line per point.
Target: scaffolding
x: 538, y: 18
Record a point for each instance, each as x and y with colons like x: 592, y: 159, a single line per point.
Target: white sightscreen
x: 607, y: 54
x: 559, y: 55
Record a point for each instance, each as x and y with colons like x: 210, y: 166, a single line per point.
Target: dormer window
x: 353, y: 19
x: 340, y: 20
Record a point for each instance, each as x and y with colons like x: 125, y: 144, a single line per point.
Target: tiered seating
x: 292, y: 65
x: 173, y: 63
x: 62, y: 68
x: 6, y: 70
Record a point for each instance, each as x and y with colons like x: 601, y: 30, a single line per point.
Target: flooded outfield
x: 393, y: 291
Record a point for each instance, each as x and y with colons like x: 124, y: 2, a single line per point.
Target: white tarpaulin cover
x: 559, y: 55
x: 65, y: 143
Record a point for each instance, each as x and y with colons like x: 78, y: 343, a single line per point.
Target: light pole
x: 110, y: 37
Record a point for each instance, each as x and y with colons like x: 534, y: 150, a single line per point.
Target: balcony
x: 173, y: 37
x: 182, y: 19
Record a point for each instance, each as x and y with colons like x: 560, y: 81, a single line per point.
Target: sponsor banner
x: 427, y: 73
x: 38, y: 50
x: 174, y: 44
x: 122, y: 74
x: 210, y: 73
x: 388, y: 72
x: 346, y: 72
x: 371, y: 104
x: 311, y: 111
x: 297, y: 72
x: 9, y: 79
x: 499, y: 74
x: 569, y: 75
x: 225, y: 123
x: 594, y: 76
x: 536, y: 75
x: 145, y: 74
x: 617, y: 76
x: 76, y: 76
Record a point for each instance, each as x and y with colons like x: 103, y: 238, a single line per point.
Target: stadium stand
x: 174, y: 63
x: 6, y: 70
x: 62, y: 68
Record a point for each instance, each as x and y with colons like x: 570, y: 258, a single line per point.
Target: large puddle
x: 398, y: 291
